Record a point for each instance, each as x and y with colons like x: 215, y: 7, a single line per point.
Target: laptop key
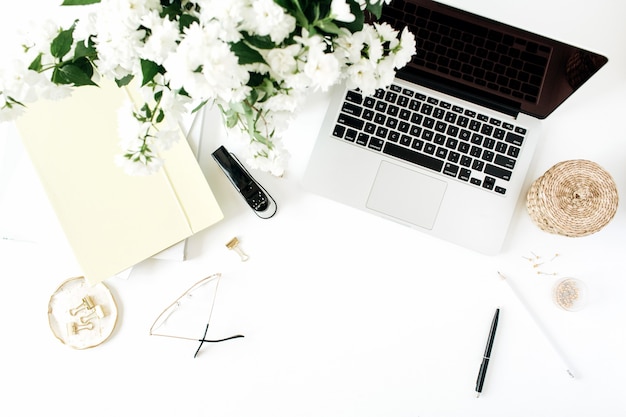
x: 498, y: 172
x: 351, y: 135
x: 513, y: 151
x: 489, y: 183
x: 354, y: 97
x: 505, y: 162
x: 338, y: 131
x: 514, y: 139
x: 350, y: 121
x: 351, y: 109
x: 450, y: 169
x: 417, y: 158
x: 464, y: 174
x: 362, y: 139
x: 376, y: 144
x: 406, y: 140
x: 417, y: 144
x: 441, y: 153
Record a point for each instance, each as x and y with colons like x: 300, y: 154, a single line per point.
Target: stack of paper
x: 112, y: 220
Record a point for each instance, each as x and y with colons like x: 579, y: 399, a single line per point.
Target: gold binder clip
x: 86, y: 304
x: 95, y: 312
x: 74, y: 328
x: 233, y: 244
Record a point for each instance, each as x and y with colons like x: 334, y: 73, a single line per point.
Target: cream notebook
x: 112, y: 220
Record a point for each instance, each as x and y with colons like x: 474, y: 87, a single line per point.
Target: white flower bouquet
x: 253, y: 59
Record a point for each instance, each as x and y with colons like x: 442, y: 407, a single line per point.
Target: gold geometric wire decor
x: 573, y: 198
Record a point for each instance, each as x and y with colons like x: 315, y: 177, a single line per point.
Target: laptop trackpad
x: 406, y: 195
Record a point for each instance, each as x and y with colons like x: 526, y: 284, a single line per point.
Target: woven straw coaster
x: 573, y: 198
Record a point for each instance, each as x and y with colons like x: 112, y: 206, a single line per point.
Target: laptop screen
x: 488, y: 62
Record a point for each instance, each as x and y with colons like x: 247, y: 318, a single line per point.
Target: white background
x: 344, y: 314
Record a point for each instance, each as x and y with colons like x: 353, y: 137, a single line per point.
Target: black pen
x: 483, y: 366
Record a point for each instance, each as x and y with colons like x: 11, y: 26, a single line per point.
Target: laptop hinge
x: 461, y: 91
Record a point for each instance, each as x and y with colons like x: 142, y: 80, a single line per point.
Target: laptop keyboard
x: 446, y: 138
x: 486, y: 57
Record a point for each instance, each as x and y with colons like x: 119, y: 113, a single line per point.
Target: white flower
x: 86, y: 26
x: 386, y: 32
x: 406, y: 49
x: 51, y: 91
x: 174, y: 105
x: 163, y: 39
x: 340, y: 10
x: 274, y: 161
x: 165, y: 138
x: 130, y: 130
x: 117, y: 47
x: 18, y: 82
x: 362, y: 75
x: 229, y: 14
x: 322, y: 69
x: 282, y: 61
x: 37, y: 39
x: 9, y: 110
x: 386, y: 71
x: 283, y: 102
x: 206, y: 67
x: 352, y: 45
x: 265, y: 17
x: 373, y: 44
x: 199, y: 62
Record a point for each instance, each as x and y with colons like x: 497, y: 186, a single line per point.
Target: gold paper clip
x: 233, y: 244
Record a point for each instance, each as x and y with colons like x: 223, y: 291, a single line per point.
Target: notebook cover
x: 112, y: 220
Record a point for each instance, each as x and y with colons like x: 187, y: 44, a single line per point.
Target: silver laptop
x: 446, y: 148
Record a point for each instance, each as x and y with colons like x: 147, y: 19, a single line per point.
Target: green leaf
x: 357, y: 24
x: 78, y: 2
x: 199, y: 106
x: 261, y: 42
x: 36, y: 64
x: 84, y: 64
x: 160, y: 116
x: 252, y: 98
x: 125, y: 80
x: 149, y: 69
x: 376, y: 9
x: 62, y: 44
x: 283, y: 3
x: 187, y: 20
x: 246, y: 54
x: 255, y: 80
x: 172, y: 9
x: 147, y: 111
x: 72, y: 74
x: 84, y: 50
x: 231, y: 117
x: 329, y: 27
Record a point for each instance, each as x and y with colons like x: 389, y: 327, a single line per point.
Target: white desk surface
x: 344, y: 314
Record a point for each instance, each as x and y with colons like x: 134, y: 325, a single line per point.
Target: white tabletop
x: 344, y: 314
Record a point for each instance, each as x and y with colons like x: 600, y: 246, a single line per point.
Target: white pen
x: 539, y: 324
